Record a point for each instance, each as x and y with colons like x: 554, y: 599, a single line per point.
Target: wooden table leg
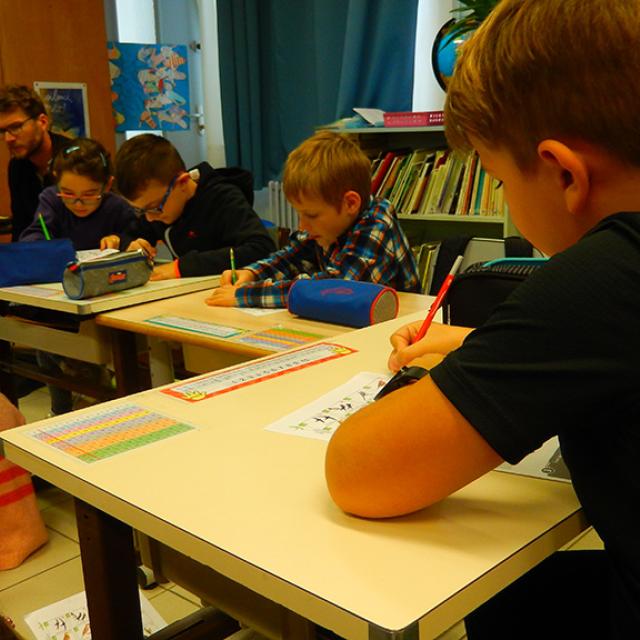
x: 7, y: 385
x: 125, y: 362
x: 109, y: 570
x: 295, y: 627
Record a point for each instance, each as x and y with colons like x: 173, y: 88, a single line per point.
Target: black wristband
x: 406, y: 375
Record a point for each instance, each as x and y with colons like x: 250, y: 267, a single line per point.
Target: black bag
x: 474, y: 294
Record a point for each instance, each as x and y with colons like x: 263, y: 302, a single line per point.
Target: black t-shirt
x: 561, y: 356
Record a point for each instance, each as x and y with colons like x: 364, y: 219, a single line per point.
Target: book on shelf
x: 425, y: 256
x: 429, y: 181
x: 400, y: 179
x: 408, y: 179
x: 425, y: 182
x: 474, y: 193
x: 440, y: 170
x: 389, y: 178
x: 392, y: 175
x: 467, y: 185
x: 451, y: 187
x: 381, y: 171
x: 420, y: 185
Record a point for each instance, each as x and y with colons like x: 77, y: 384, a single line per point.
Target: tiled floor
x: 54, y: 572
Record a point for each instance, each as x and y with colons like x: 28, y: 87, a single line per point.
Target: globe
x: 445, y: 51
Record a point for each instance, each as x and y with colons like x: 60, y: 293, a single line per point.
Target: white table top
x: 51, y: 296
x: 193, y: 307
x: 253, y: 505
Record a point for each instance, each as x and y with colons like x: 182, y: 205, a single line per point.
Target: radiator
x: 281, y: 213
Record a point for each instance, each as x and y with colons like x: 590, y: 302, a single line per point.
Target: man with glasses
x: 24, y: 127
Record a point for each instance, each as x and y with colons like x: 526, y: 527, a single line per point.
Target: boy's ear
x: 351, y: 203
x: 571, y: 173
x: 183, y: 179
x: 108, y: 184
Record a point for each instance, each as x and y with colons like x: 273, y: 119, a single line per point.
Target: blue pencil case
x: 347, y: 302
x: 34, y: 262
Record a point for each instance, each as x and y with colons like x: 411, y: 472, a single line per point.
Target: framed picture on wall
x: 149, y: 86
x: 67, y: 105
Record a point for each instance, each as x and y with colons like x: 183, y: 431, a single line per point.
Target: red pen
x: 435, y: 305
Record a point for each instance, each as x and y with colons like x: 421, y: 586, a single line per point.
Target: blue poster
x: 67, y: 107
x: 149, y: 86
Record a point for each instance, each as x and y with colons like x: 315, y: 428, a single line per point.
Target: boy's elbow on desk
x: 404, y: 452
x: 364, y: 467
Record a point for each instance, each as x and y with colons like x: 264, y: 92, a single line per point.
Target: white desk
x: 89, y: 343
x: 204, y: 352
x: 52, y: 296
x: 251, y: 507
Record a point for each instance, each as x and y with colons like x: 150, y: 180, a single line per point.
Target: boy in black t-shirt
x: 547, y: 92
x: 200, y: 214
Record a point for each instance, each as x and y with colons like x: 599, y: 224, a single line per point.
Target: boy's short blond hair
x: 326, y: 166
x: 562, y: 69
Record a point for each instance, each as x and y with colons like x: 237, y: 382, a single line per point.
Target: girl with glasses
x: 81, y: 206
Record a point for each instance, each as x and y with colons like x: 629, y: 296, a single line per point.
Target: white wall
x: 432, y: 14
x: 211, y: 82
x: 136, y: 22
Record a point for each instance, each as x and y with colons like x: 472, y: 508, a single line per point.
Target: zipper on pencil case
x: 95, y: 264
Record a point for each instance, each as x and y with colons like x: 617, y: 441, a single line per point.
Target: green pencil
x: 233, y: 266
x: 47, y: 235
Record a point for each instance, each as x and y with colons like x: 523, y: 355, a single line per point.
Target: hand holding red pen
x: 435, y: 305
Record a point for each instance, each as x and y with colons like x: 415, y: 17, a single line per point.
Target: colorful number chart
x: 107, y: 433
x: 195, y: 326
x: 279, y: 338
x: 244, y: 375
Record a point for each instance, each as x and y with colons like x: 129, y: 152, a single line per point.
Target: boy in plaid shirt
x: 343, y: 232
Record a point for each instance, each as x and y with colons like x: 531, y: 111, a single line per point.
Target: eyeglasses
x: 15, y: 128
x: 157, y: 209
x: 72, y: 198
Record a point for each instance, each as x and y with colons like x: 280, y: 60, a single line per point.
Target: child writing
x: 200, y: 214
x: 81, y: 206
x: 343, y: 232
x: 547, y: 92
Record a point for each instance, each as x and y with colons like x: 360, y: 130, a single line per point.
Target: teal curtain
x: 287, y: 66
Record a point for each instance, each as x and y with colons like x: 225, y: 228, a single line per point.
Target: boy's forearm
x: 285, y: 264
x: 266, y: 294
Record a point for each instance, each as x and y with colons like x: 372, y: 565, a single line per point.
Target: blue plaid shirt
x: 374, y: 249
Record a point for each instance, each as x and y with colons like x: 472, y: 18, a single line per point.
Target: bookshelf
x: 435, y: 193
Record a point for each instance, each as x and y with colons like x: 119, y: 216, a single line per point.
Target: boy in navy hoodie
x: 200, y: 214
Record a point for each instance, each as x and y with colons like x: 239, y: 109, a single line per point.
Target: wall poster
x: 68, y: 107
x: 149, y: 86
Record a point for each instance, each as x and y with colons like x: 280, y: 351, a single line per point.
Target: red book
x: 381, y: 171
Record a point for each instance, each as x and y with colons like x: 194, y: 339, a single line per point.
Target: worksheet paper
x: 86, y: 255
x: 258, y: 311
x: 321, y: 418
x: 545, y: 462
x: 68, y: 619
